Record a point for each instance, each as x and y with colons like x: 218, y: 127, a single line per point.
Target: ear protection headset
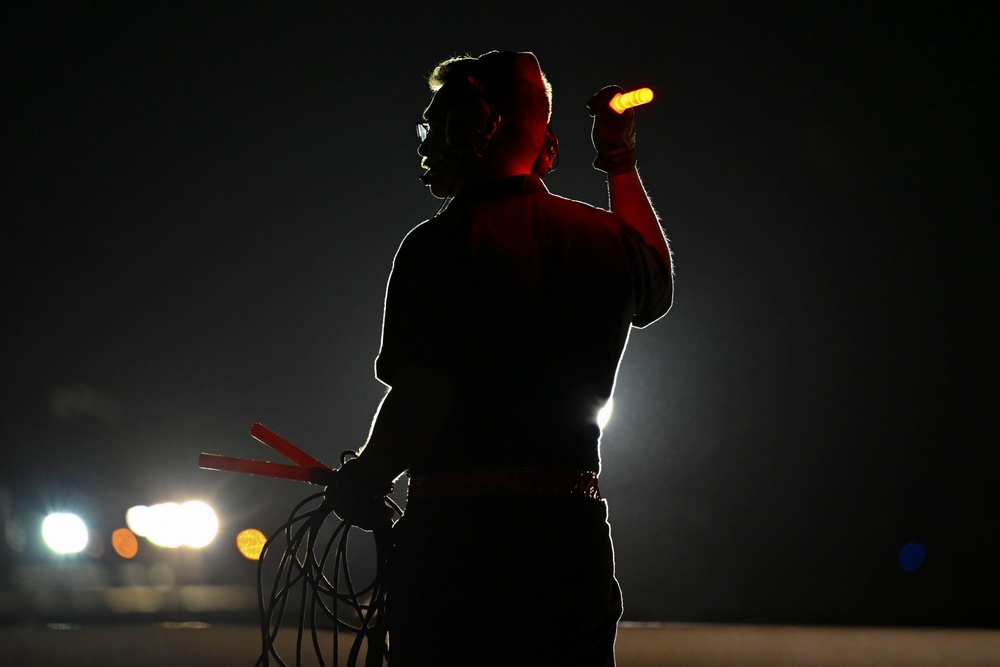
x: 548, y: 156
x: 471, y: 123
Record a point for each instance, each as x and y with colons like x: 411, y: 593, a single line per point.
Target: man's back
x: 523, y: 301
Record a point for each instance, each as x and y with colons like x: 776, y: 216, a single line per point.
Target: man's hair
x: 514, y: 87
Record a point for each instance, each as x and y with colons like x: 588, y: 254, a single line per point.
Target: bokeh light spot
x: 124, y: 543
x: 138, y: 520
x: 172, y: 525
x: 199, y: 523
x: 65, y: 533
x: 250, y: 543
x: 912, y: 555
x: 167, y: 529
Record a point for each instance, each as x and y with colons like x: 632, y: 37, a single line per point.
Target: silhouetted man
x: 506, y: 315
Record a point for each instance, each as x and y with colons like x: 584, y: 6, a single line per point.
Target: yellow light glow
x: 250, y: 543
x: 124, y: 543
x: 623, y: 101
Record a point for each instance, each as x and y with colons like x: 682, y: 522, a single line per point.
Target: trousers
x: 503, y: 580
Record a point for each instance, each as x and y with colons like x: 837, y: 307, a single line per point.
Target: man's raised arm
x: 614, y: 138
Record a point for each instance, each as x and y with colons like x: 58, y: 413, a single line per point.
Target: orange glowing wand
x: 623, y: 101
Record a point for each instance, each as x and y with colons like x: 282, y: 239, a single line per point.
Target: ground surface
x: 198, y: 644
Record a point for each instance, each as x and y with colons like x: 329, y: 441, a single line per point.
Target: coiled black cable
x: 313, y: 571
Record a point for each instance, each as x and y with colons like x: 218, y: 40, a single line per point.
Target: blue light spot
x: 912, y: 555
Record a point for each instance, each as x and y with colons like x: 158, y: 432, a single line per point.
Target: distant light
x: 124, y: 543
x: 250, y: 543
x: 604, y: 414
x: 172, y: 525
x: 200, y: 523
x: 165, y: 528
x: 138, y: 519
x: 65, y: 533
x: 912, y: 556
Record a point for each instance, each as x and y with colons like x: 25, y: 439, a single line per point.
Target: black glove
x: 613, y: 133
x: 357, y: 499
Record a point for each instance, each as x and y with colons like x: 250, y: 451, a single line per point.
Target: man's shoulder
x: 554, y: 199
x: 531, y: 205
x: 431, y: 236
x: 580, y: 212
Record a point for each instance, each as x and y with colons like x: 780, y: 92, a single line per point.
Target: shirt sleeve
x: 419, y: 299
x: 652, y: 281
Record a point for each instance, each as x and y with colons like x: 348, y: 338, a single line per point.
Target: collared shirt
x: 523, y: 300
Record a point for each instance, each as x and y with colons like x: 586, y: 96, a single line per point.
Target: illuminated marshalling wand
x: 623, y: 101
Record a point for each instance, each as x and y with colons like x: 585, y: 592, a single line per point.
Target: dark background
x: 200, y: 206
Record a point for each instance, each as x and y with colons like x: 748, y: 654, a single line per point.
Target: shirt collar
x: 503, y: 187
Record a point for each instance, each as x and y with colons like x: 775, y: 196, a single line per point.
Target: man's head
x: 487, y: 119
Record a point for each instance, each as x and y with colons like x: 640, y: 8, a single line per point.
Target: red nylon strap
x: 506, y: 481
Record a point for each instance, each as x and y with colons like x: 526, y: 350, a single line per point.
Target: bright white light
x: 604, y: 415
x: 138, y: 520
x: 172, y: 525
x: 165, y: 528
x: 65, y: 533
x: 200, y: 523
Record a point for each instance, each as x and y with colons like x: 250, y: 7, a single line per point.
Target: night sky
x: 200, y: 207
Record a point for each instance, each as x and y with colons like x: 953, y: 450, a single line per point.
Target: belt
x: 504, y: 481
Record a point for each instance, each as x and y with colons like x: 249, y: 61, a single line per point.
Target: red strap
x: 506, y: 481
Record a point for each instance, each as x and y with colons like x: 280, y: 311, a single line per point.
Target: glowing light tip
x: 623, y: 101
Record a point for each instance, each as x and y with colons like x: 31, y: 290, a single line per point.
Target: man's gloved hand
x: 613, y: 133
x: 358, y: 500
